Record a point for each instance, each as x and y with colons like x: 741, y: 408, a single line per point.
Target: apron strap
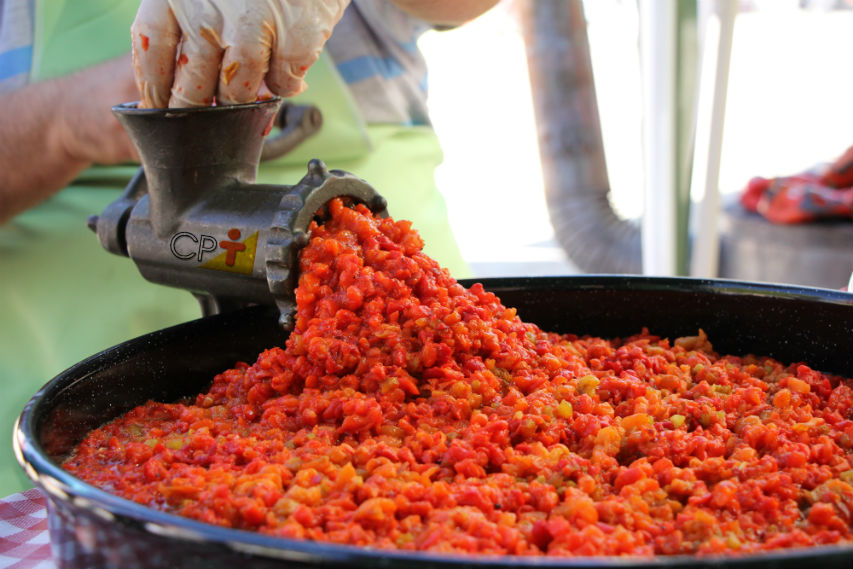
x: 70, y: 35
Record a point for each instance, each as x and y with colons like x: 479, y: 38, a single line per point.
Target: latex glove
x: 186, y: 52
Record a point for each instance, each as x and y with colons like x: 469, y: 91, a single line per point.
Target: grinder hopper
x: 194, y: 218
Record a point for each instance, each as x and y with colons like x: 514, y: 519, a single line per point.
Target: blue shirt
x: 16, y: 43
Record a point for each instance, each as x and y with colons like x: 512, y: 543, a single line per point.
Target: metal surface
x: 193, y: 218
x: 809, y: 254
x: 91, y: 528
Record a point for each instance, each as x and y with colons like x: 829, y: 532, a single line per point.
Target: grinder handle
x: 297, y: 123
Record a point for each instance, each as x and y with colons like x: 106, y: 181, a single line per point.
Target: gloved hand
x: 186, y: 52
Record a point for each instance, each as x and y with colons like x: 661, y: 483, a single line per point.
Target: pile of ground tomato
x: 408, y: 412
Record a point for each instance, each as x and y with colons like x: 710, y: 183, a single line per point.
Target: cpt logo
x: 236, y: 256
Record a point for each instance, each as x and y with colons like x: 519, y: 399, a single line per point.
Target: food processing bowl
x: 91, y: 528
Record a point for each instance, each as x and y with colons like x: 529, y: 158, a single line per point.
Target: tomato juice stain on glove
x: 189, y: 53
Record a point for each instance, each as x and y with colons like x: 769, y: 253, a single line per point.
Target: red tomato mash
x: 408, y: 412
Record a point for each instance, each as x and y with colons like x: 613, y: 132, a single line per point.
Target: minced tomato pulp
x: 407, y: 412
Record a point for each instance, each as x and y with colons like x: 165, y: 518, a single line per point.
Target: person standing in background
x: 63, y: 156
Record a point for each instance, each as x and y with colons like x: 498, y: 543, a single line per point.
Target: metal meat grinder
x: 194, y: 218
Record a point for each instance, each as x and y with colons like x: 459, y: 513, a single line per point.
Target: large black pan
x: 90, y: 528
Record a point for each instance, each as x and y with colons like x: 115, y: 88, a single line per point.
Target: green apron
x: 64, y: 298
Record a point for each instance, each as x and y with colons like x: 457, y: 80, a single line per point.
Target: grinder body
x: 193, y: 218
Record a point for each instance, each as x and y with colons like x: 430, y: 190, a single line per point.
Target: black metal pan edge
x: 679, y: 284
x: 60, y: 486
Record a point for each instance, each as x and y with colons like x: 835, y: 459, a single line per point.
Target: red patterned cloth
x: 24, y: 542
x: 804, y: 197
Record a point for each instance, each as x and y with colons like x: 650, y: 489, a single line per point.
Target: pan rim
x: 59, y: 485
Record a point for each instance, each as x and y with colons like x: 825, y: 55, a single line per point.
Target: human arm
x: 445, y: 12
x: 53, y: 130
